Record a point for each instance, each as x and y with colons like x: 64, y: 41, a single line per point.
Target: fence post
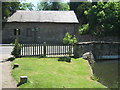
x: 70, y: 49
x: 44, y: 49
x: 76, y: 51
x: 17, y: 38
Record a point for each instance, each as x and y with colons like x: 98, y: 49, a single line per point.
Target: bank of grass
x: 51, y: 73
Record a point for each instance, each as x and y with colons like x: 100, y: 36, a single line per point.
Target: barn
x: 39, y: 26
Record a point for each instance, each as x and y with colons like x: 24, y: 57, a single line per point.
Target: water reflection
x: 107, y: 72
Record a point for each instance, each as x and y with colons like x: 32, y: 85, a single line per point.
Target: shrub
x: 66, y: 58
x: 69, y: 40
x: 17, y: 49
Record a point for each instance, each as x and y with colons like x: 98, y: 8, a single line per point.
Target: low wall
x: 86, y: 38
x: 98, y: 49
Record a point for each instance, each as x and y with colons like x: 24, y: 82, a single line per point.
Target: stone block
x: 15, y: 66
x: 23, y: 79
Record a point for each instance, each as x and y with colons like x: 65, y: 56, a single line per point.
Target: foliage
x: 80, y: 11
x: 64, y: 6
x: 104, y: 18
x: 51, y: 73
x: 8, y: 8
x: 79, y: 8
x: 43, y: 6
x: 68, y: 39
x: 84, y: 29
x: 52, y: 6
x: 26, y: 6
x: 55, y: 5
x: 65, y: 58
x: 17, y: 49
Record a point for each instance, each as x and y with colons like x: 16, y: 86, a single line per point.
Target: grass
x: 51, y: 73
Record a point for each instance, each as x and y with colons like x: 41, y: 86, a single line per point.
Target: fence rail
x: 46, y: 49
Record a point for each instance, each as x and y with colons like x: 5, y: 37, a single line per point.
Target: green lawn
x: 51, y: 73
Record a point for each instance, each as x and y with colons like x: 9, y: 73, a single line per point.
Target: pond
x: 107, y: 72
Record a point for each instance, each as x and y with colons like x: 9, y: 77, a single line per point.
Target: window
x: 28, y: 32
x: 15, y: 33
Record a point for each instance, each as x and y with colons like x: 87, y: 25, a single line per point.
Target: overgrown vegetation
x: 98, y: 18
x: 51, y: 73
x: 103, y: 19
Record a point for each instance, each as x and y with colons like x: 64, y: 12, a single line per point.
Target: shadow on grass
x: 19, y: 84
x: 9, y: 59
x: 65, y: 59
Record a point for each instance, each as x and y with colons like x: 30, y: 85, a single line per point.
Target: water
x: 107, y: 71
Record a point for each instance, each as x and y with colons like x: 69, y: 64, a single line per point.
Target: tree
x: 79, y: 8
x: 8, y: 8
x: 25, y: 6
x: 55, y: 5
x: 64, y: 6
x: 104, y: 18
x: 17, y: 49
x: 74, y: 5
x: 43, y: 6
x: 83, y: 29
x: 80, y: 11
x: 52, y: 6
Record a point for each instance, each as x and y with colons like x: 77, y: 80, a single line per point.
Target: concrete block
x: 23, y: 79
x: 15, y: 66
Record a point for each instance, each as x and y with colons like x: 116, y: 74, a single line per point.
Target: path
x: 5, y: 68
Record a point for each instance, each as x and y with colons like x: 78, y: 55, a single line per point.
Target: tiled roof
x: 44, y: 16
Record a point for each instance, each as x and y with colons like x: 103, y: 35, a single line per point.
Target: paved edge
x: 1, y: 71
x: 6, y: 45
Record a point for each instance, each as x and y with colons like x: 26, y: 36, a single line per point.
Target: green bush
x: 17, y: 49
x: 66, y: 58
x: 69, y: 40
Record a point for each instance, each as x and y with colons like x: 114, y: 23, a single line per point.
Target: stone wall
x: 86, y: 38
x: 48, y: 32
x: 98, y: 49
